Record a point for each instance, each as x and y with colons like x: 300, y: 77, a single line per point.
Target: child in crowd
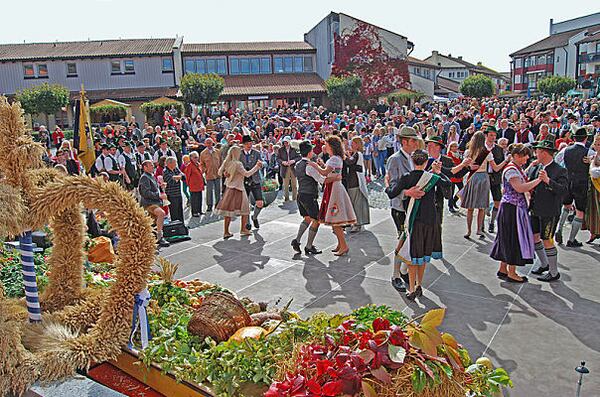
x: 421, y: 236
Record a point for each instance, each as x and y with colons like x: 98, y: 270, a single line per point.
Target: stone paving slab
x: 538, y: 332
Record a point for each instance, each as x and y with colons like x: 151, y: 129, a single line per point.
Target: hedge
x: 154, y: 111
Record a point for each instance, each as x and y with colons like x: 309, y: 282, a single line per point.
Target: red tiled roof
x: 553, y: 41
x: 416, y: 61
x: 85, y: 49
x: 272, y: 84
x: 447, y: 85
x: 247, y: 47
x: 128, y: 94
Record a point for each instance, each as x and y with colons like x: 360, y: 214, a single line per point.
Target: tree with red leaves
x: 361, y: 53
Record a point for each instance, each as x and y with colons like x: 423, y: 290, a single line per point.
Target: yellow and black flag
x: 82, y: 133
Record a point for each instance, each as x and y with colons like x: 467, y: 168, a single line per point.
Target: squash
x: 248, y: 332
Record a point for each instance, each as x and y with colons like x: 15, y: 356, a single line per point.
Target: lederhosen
x: 115, y: 167
x: 131, y: 171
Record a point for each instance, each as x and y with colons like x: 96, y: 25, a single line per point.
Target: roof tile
x: 272, y: 84
x: 254, y: 47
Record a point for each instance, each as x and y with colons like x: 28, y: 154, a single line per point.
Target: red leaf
x: 397, y: 336
x: 423, y: 365
x: 313, y: 387
x: 323, y: 366
x: 333, y: 388
x: 382, y: 374
x: 381, y: 324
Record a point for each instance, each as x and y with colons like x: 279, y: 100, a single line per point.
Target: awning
x: 106, y: 102
x: 273, y: 84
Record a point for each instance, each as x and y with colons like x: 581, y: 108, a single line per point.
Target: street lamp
x: 582, y: 370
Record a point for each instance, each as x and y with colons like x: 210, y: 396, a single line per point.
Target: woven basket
x: 219, y: 316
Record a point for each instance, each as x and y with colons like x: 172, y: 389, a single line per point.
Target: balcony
x: 588, y: 58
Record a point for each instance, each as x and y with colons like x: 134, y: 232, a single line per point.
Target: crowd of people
x: 526, y: 165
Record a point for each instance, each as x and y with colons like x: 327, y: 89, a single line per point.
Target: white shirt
x: 313, y: 173
x: 410, y: 162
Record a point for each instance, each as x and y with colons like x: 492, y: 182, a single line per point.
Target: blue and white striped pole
x: 29, y: 277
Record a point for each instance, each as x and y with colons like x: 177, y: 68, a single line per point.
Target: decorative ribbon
x: 29, y: 278
x: 140, y: 319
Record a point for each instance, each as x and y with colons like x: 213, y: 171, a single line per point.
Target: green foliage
x: 108, y: 112
x: 486, y: 382
x: 154, y: 111
x: 167, y: 292
x: 43, y: 99
x: 556, y: 85
x: 201, y: 89
x: 367, y: 314
x: 11, y: 276
x: 405, y: 98
x: 342, y: 90
x: 477, y: 86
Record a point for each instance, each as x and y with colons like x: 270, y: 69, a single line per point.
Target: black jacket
x: 546, y: 199
x: 496, y: 177
x: 576, y: 168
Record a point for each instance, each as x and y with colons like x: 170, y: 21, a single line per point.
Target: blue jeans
x: 380, y: 162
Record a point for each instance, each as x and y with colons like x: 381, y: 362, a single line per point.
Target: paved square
x: 538, y: 332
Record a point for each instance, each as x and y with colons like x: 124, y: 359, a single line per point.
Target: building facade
x: 559, y: 54
x: 268, y: 74
x: 588, y: 62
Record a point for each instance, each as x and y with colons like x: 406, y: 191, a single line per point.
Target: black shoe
x: 399, y: 284
x: 296, y: 246
x: 574, y: 244
x: 405, y: 278
x: 195, y: 215
x: 549, y: 278
x: 512, y: 280
x: 312, y: 251
x: 163, y: 243
x: 558, y: 238
x: 501, y: 276
x: 419, y: 291
x: 452, y: 210
x: 491, y: 228
x: 540, y: 270
x: 593, y: 238
x: 255, y: 221
x: 208, y: 209
x: 411, y: 296
x: 248, y: 226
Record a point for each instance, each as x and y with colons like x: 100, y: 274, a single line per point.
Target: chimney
x: 479, y: 63
x: 551, y: 23
x: 460, y: 57
x: 449, y: 55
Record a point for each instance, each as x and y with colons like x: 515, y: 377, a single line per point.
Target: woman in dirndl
x: 592, y: 213
x: 514, y: 244
x: 235, y: 200
x: 356, y: 184
x: 336, y: 208
x: 476, y: 193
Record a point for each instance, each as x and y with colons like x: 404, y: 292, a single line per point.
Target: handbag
x: 175, y: 228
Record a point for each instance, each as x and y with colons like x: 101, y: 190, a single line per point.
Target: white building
x: 560, y: 54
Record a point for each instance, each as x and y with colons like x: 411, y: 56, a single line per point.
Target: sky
x: 478, y: 30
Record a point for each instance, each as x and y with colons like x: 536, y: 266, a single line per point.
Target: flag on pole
x: 82, y: 133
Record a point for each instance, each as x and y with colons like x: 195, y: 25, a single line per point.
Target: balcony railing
x: 591, y: 57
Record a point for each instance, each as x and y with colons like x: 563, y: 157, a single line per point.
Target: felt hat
x: 246, y: 138
x: 436, y: 139
x: 580, y: 132
x: 105, y: 146
x: 490, y: 128
x: 161, y: 141
x: 546, y: 144
x: 305, y: 147
x: 408, y: 132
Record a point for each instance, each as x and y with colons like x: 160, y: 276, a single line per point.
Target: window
x: 255, y: 66
x: 71, y: 69
x: 42, y: 70
x: 278, y: 64
x: 129, y: 68
x: 308, y: 64
x: 28, y: 71
x: 287, y: 64
x: 549, y: 59
x: 518, y: 62
x: 115, y: 67
x: 265, y: 65
x: 541, y: 60
x: 211, y: 66
x: 234, y: 66
x: 190, y: 66
x: 451, y: 74
x: 298, y: 64
x: 221, y: 69
x: 597, y: 47
x: 167, y: 64
x: 245, y: 66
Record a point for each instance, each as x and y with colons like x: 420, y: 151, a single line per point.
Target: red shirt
x: 57, y: 136
x: 193, y: 177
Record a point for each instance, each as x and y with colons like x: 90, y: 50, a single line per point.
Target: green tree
x: 477, y: 86
x: 44, y: 99
x: 556, y: 85
x: 342, y: 90
x: 201, y: 89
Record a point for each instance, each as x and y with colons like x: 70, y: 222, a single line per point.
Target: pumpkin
x: 248, y: 332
